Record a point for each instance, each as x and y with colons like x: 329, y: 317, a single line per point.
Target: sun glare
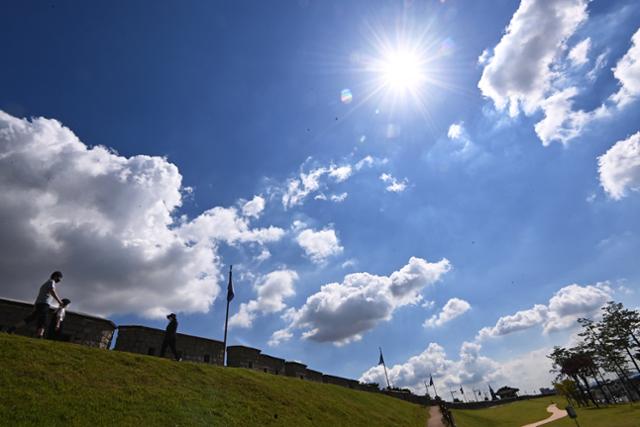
x: 401, y: 71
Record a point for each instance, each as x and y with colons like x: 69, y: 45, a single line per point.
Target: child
x: 55, y: 327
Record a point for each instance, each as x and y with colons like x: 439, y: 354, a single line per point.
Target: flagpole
x: 226, y: 322
x: 384, y: 365
x: 434, y: 386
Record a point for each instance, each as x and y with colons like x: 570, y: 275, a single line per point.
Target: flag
x: 381, y: 361
x: 493, y: 393
x: 461, y: 390
x: 230, y: 293
x: 431, y: 380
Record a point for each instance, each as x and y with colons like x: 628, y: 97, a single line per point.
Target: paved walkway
x: 435, y: 417
x: 555, y: 414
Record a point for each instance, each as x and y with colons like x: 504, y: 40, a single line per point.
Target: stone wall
x: 312, y: 375
x: 295, y: 369
x: 78, y: 328
x: 239, y: 356
x: 344, y: 382
x: 144, y: 340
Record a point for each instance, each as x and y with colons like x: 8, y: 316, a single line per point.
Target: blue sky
x: 509, y: 171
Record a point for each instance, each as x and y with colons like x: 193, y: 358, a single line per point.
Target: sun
x: 401, y: 71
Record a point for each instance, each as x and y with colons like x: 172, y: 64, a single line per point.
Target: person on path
x: 170, y: 337
x: 41, y: 311
x: 55, y: 326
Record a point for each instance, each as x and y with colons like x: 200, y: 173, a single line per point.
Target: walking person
x: 55, y: 326
x: 170, y: 337
x: 41, y: 311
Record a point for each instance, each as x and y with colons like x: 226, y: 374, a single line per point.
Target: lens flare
x: 345, y: 96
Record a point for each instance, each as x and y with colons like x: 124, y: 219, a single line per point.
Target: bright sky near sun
x: 454, y: 181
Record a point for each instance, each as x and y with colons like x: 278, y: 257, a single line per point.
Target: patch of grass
x: 509, y: 415
x: 52, y: 383
x: 528, y: 411
x: 621, y: 415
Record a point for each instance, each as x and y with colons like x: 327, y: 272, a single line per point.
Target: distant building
x: 507, y: 392
x: 144, y: 340
x: 344, y: 382
x: 79, y: 328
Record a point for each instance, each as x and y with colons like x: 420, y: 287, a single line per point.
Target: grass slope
x: 528, y: 411
x: 508, y: 415
x: 50, y: 383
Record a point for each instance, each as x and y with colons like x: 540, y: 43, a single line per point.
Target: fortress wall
x: 145, y: 340
x: 78, y: 328
x: 295, y: 369
x: 312, y: 375
x: 344, y: 382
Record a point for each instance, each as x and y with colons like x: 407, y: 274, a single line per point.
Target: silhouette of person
x: 41, y: 310
x: 170, y: 337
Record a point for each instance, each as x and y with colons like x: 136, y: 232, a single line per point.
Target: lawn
x: 508, y: 415
x: 528, y: 411
x: 51, y: 383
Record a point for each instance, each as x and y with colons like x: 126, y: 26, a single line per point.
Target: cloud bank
x: 109, y: 223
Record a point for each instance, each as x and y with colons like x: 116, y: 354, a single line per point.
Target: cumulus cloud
x: 528, y: 71
x: 342, y: 312
x: 254, y: 207
x: 394, y: 185
x: 108, y: 222
x: 319, y: 245
x: 578, y: 55
x: 271, y: 290
x: 470, y: 368
x: 627, y: 71
x: 519, y: 73
x: 455, y: 307
x: 619, y: 167
x: 563, y: 310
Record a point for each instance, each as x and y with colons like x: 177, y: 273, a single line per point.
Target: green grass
x: 623, y: 415
x: 51, y: 383
x: 528, y: 411
x: 509, y: 415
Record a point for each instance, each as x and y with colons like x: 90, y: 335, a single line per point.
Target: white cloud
x: 271, y: 290
x: 519, y: 73
x: 484, y: 57
x: 279, y: 336
x: 341, y: 173
x: 342, y: 312
x: 627, y: 71
x: 394, y: 185
x: 339, y: 197
x: 455, y: 130
x: 563, y: 310
x: 107, y: 221
x: 528, y: 371
x: 317, y: 180
x: 521, y: 320
x: 455, y: 307
x: 579, y: 54
x: 254, y: 207
x: 471, y: 368
x: 319, y: 245
x: 619, y: 167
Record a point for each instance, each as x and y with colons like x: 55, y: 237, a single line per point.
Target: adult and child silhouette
x: 42, y: 308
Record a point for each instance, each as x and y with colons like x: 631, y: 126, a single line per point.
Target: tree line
x: 604, y: 359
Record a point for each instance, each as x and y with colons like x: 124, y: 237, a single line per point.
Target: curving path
x: 555, y: 412
x: 435, y: 417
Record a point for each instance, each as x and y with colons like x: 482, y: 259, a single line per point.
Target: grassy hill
x: 50, y: 383
x: 528, y: 411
